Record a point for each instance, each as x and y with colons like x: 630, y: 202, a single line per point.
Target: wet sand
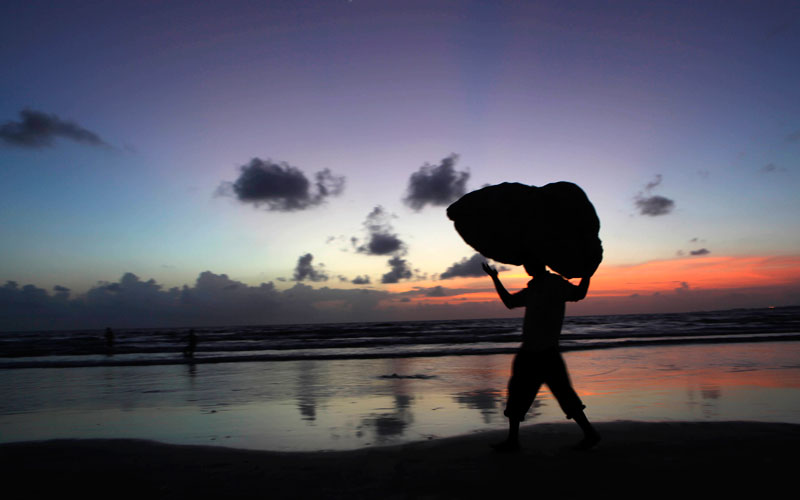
x: 634, y: 460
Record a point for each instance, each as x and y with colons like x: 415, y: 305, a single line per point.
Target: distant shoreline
x: 199, y: 359
x: 634, y: 459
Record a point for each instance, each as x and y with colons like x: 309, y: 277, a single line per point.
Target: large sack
x: 514, y: 223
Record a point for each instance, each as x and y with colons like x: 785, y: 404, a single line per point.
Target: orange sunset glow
x: 757, y: 275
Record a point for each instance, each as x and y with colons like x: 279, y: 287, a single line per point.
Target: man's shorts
x: 532, y: 369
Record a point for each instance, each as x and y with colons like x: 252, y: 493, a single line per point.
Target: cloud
x: 653, y: 205
x: 437, y: 185
x: 280, y: 186
x: 400, y: 270
x: 701, y: 251
x: 381, y: 239
x: 467, y: 267
x: 214, y: 299
x: 361, y: 280
x: 653, y: 184
x: 306, y: 271
x: 771, y: 168
x: 37, y: 130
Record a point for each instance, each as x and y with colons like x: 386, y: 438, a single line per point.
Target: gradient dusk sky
x: 159, y: 160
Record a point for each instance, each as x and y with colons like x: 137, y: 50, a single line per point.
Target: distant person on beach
x: 109, y: 339
x: 191, y: 345
x: 539, y: 359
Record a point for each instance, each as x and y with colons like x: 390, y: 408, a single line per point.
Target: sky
x: 167, y: 163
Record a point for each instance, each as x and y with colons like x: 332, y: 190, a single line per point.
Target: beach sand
x: 635, y: 459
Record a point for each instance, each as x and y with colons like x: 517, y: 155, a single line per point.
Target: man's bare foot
x: 587, y: 443
x: 506, y: 446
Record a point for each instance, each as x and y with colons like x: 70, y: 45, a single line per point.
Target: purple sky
x: 170, y: 139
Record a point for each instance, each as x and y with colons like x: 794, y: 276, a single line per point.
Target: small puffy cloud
x: 653, y: 205
x: 770, y: 168
x: 280, y: 186
x: 399, y: 270
x: 381, y: 239
x: 361, y: 280
x: 700, y: 251
x: 467, y: 267
x: 306, y: 271
x: 37, y: 130
x: 437, y: 185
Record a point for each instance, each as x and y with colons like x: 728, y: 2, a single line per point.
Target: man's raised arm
x: 509, y: 300
x: 577, y: 293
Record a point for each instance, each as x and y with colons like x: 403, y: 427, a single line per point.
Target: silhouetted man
x: 539, y: 359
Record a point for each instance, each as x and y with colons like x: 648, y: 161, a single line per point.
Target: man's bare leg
x: 512, y: 440
x: 590, y: 436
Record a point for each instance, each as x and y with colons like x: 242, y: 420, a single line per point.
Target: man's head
x: 534, y: 268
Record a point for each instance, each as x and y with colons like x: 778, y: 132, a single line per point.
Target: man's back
x: 544, y: 300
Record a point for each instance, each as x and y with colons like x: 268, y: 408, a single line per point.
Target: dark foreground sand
x: 635, y: 460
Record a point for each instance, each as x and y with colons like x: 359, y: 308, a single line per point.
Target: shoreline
x: 634, y: 459
x: 110, y: 362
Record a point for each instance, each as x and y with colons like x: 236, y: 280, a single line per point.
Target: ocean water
x: 383, y: 340
x: 351, y: 386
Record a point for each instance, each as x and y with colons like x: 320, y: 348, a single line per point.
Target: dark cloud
x: 361, y: 280
x: 381, y: 239
x: 653, y: 205
x: 467, y: 267
x: 61, y: 289
x: 214, y: 299
x: 37, y: 130
x: 306, y: 271
x: 400, y: 270
x: 700, y: 251
x: 437, y: 185
x: 771, y: 168
x: 280, y: 186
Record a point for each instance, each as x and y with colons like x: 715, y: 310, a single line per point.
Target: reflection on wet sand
x: 345, y: 404
x: 484, y: 400
x: 307, y: 381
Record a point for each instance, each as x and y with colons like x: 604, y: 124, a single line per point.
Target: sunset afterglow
x: 293, y: 164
